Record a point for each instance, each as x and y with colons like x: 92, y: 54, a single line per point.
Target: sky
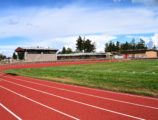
x: 58, y: 23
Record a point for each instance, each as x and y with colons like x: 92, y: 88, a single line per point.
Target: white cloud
x: 100, y: 41
x: 155, y: 39
x: 151, y: 41
x: 47, y: 26
x: 49, y: 23
x: 7, y: 49
x: 70, y: 42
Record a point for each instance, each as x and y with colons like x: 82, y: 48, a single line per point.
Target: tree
x: 110, y: 46
x: 154, y: 48
x: 66, y: 51
x: 117, y: 46
x: 63, y: 50
x: 84, y: 45
x: 106, y: 47
x: 133, y: 44
x: 125, y: 46
x: 88, y: 46
x: 80, y: 44
x: 141, y: 44
x: 14, y: 56
x: 69, y: 50
x: 2, y: 57
x: 21, y: 55
x: 93, y: 47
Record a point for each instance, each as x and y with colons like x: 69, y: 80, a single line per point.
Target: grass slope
x: 139, y: 77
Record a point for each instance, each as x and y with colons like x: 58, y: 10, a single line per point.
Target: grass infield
x: 138, y: 77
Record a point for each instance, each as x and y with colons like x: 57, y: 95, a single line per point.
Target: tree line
x: 117, y: 47
x: 2, y: 57
x: 86, y: 46
x: 82, y: 45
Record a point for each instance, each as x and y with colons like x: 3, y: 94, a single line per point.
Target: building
x: 140, y: 54
x: 118, y: 56
x: 33, y: 54
x: 82, y: 56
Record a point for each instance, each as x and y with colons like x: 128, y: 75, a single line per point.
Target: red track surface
x: 33, y: 99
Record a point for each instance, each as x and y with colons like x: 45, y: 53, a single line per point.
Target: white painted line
x: 10, y: 112
x: 105, y: 98
x: 40, y: 103
x: 106, y: 91
x: 94, y: 89
x: 96, y: 107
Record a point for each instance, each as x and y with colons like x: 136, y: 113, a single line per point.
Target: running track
x: 23, y: 98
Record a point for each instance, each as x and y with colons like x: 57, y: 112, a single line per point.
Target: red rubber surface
x: 80, y: 102
x: 5, y: 115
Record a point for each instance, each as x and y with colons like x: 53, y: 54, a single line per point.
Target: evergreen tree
x: 14, y: 56
x: 141, y: 45
x: 93, y: 48
x: 21, y: 55
x: 110, y: 46
x: 107, y: 47
x: 2, y: 57
x: 125, y: 46
x: 69, y: 50
x: 154, y: 48
x: 113, y: 47
x: 133, y: 44
x: 63, y: 50
x: 84, y: 45
x: 80, y: 44
x: 117, y: 46
x: 88, y: 46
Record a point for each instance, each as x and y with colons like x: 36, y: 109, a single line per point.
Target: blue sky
x: 58, y: 23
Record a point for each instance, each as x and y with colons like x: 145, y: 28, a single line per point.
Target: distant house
x: 32, y: 54
x: 140, y: 54
x: 83, y: 56
x: 118, y: 56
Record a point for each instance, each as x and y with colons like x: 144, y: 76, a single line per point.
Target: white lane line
x: 94, y: 89
x: 101, y: 90
x: 10, y: 112
x: 105, y: 98
x: 96, y: 107
x: 40, y: 103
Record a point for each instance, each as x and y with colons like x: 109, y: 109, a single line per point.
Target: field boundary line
x: 39, y: 103
x: 74, y: 63
x: 96, y: 107
x: 10, y: 111
x: 105, y: 98
x: 95, y: 89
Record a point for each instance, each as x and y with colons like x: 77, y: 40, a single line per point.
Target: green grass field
x: 139, y: 77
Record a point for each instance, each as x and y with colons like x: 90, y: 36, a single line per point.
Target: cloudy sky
x: 58, y: 23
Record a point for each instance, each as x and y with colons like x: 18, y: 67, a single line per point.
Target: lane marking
x: 77, y: 101
x: 39, y: 103
x: 94, y: 89
x: 105, y: 98
x: 10, y: 112
x: 54, y: 64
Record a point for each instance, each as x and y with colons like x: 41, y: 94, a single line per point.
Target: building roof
x: 136, y: 51
x: 83, y: 54
x: 34, y: 48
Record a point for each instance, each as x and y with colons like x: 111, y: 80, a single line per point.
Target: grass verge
x: 138, y: 77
